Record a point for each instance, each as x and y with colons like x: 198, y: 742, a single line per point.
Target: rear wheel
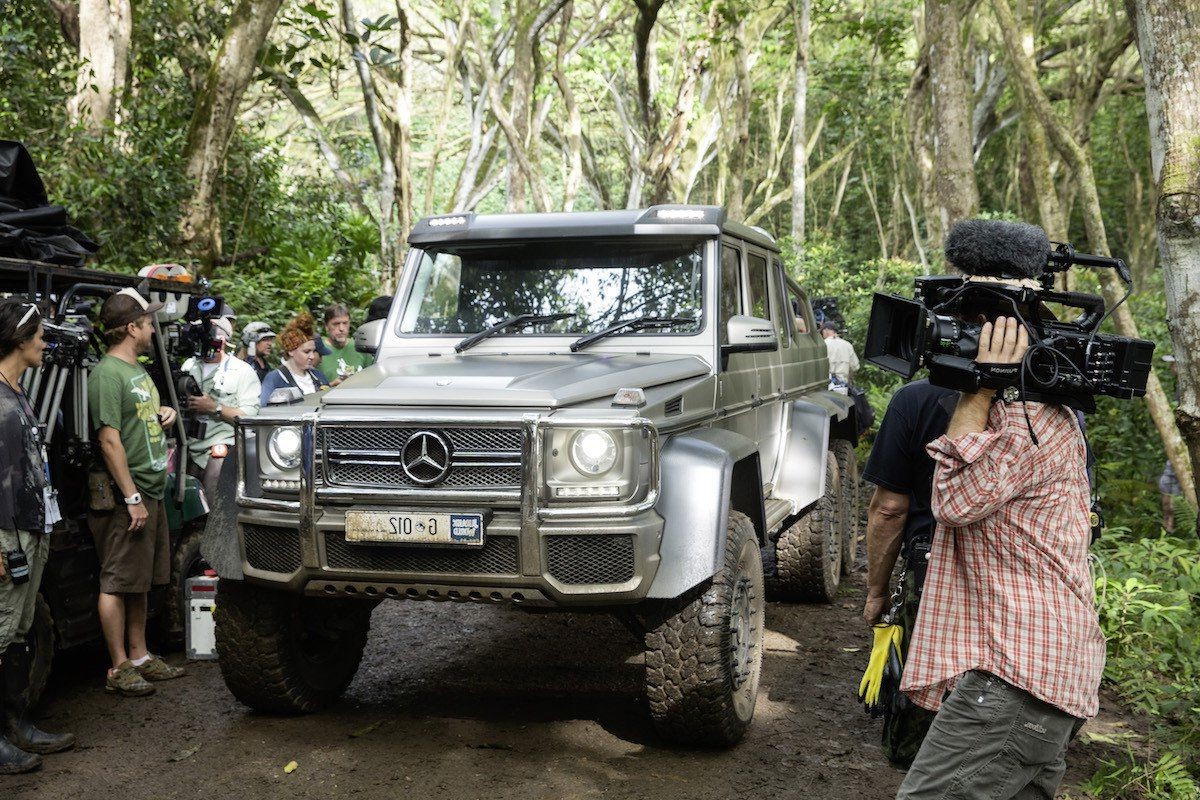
x: 186, y: 562
x: 847, y: 462
x: 808, y: 553
x: 704, y: 651
x: 284, y: 653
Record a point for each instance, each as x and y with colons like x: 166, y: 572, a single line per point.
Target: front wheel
x: 847, y: 462
x: 287, y: 654
x: 704, y: 651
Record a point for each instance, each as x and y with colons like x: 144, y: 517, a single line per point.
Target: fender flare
x: 219, y: 542
x: 697, y: 475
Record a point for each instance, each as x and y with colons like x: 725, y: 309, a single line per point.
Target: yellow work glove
x: 886, y: 638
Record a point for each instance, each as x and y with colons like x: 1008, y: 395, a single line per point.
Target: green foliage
x: 1148, y: 594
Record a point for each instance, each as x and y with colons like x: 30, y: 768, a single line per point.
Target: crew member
x: 229, y: 389
x: 257, y: 339
x: 1008, y: 621
x: 342, y: 359
x: 130, y: 529
x: 843, y: 361
x: 299, y: 347
x: 900, y: 523
x: 28, y: 510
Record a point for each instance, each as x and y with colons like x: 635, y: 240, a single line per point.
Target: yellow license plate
x: 414, y: 527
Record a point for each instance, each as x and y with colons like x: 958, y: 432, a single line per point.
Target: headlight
x: 593, y: 452
x: 283, y: 447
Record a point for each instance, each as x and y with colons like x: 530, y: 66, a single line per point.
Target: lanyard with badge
x: 49, y: 493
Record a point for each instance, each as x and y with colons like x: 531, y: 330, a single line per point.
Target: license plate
x: 414, y: 527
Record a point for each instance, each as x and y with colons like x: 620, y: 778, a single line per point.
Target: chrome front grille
x: 480, y: 458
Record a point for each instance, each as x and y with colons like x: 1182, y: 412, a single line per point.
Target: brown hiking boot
x: 158, y: 670
x: 125, y: 680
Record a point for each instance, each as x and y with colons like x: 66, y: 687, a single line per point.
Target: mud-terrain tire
x: 287, y: 654
x: 808, y: 553
x: 42, y: 642
x: 704, y: 650
x: 847, y: 462
x: 186, y: 562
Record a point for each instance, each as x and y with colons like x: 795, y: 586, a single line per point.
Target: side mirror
x: 285, y: 396
x: 368, y: 335
x: 750, y: 335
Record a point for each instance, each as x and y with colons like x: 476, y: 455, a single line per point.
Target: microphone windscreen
x: 998, y: 249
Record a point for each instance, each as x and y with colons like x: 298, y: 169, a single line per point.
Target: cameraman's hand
x: 166, y: 416
x: 1002, y: 343
x: 203, y: 404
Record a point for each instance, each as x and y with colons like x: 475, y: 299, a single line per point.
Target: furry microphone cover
x: 998, y: 249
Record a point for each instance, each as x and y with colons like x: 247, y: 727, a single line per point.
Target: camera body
x: 1069, y: 361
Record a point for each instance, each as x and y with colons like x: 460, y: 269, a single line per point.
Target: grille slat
x: 498, y: 556
x: 359, y: 457
x: 272, y: 549
x: 600, y: 559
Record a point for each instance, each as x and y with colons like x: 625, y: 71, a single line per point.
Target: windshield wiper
x: 512, y: 323
x: 635, y: 324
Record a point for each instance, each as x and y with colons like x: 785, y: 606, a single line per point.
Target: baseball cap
x: 124, y: 307
x: 255, y: 332
x: 222, y: 329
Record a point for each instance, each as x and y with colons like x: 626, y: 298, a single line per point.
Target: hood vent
x: 673, y: 406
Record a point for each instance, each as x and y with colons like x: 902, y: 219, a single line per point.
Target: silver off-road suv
x: 620, y: 410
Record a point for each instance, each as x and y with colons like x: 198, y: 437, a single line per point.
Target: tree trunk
x: 801, y: 10
x: 955, y: 191
x: 1077, y: 158
x: 105, y: 28
x: 1166, y: 32
x: 402, y: 146
x: 213, y: 124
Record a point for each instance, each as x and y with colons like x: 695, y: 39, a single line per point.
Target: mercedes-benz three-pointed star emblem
x: 425, y: 457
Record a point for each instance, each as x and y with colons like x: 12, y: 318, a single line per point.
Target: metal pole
x: 52, y: 420
x: 180, y: 430
x: 47, y: 398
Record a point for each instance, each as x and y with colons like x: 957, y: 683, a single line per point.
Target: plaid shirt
x: 1009, y: 590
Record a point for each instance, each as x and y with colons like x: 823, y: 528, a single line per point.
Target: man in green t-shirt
x: 130, y: 529
x: 343, y: 360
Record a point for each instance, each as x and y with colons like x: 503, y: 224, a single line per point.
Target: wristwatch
x: 217, y: 410
x: 134, y: 499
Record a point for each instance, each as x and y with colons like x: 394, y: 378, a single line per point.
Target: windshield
x: 599, y: 282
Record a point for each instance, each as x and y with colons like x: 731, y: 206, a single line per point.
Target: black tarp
x: 29, y: 226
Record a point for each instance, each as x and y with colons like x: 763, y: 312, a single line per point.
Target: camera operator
x: 228, y: 388
x: 1008, y: 620
x: 28, y: 509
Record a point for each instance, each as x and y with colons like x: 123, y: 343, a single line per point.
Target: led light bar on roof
x: 447, y: 222
x: 680, y: 214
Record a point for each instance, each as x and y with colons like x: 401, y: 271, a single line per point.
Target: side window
x: 731, y: 288
x: 805, y: 325
x: 760, y: 301
x: 783, y: 305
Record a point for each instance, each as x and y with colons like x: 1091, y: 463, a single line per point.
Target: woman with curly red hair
x: 297, y: 341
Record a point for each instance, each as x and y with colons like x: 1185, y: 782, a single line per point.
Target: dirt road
x: 462, y: 702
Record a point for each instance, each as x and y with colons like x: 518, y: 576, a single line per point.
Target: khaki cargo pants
x: 991, y: 741
x: 19, y: 603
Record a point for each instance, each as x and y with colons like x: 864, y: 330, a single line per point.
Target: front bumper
x: 576, y: 556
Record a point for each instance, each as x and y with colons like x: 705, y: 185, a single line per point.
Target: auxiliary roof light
x: 680, y: 214
x: 447, y: 222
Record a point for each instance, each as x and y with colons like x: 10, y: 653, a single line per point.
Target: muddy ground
x: 457, y: 701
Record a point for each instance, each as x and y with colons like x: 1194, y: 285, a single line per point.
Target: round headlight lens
x: 593, y: 452
x: 283, y: 447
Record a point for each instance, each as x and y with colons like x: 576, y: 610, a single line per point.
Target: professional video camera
x: 196, y: 329
x: 1068, y: 362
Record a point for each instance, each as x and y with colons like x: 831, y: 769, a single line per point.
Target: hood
x: 542, y: 381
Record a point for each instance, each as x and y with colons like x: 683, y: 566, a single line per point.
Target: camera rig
x: 1068, y: 361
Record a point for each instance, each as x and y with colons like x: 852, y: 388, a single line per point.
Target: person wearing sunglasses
x: 28, y: 510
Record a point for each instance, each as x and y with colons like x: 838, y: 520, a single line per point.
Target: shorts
x: 132, y: 561
x: 19, y: 603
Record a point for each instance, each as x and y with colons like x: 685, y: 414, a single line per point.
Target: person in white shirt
x: 229, y: 389
x: 843, y: 361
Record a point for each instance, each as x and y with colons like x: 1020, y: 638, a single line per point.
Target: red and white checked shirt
x: 1008, y: 589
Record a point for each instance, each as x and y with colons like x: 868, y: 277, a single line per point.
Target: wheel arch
x: 705, y: 474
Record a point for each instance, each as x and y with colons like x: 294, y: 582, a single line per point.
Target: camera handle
x: 1063, y: 256
x: 1091, y: 305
